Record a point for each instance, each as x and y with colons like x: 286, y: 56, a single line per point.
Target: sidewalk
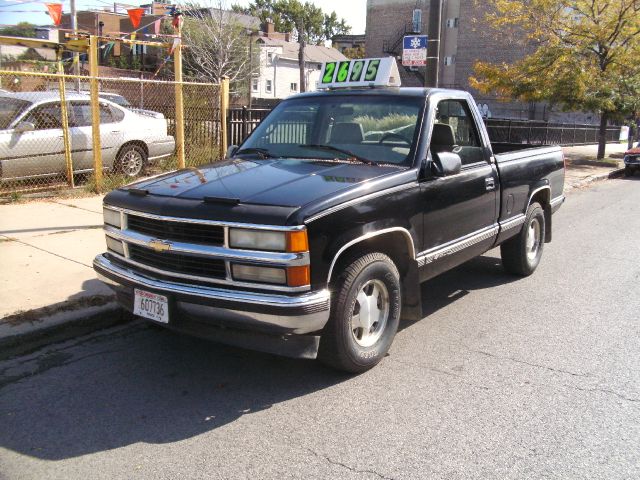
x: 49, y: 291
x: 47, y: 282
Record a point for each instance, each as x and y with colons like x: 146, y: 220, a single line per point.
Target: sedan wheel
x: 131, y: 161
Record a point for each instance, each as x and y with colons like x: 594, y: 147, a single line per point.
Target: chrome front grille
x: 179, y: 263
x: 197, y: 233
x: 191, y: 250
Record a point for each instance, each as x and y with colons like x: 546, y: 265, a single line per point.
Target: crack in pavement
x: 437, y: 370
x: 46, y: 251
x: 74, y: 206
x: 348, y: 467
x: 604, y: 390
x: 536, y: 365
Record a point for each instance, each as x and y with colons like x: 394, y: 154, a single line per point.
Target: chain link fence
x: 46, y: 143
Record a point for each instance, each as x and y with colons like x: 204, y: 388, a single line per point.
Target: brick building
x: 465, y: 39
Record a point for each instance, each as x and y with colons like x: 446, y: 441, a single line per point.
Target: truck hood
x: 279, y: 182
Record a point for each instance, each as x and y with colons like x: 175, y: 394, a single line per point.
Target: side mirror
x: 25, y: 127
x: 231, y: 151
x: 445, y: 164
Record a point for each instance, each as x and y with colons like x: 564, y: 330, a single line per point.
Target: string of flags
x: 135, y: 17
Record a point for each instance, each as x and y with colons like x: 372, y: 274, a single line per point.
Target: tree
x: 308, y: 21
x: 286, y: 15
x: 584, y: 56
x: 217, y: 45
x: 22, y: 29
x: 354, y: 52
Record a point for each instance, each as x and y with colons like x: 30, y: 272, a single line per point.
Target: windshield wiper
x: 339, y: 150
x: 263, y: 152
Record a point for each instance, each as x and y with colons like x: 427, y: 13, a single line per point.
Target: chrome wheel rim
x: 370, y: 313
x: 131, y: 163
x: 533, y: 239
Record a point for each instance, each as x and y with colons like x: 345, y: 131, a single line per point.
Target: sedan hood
x: 280, y: 182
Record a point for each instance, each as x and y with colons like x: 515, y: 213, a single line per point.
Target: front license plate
x: 152, y: 306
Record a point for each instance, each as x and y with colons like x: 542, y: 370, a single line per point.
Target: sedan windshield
x: 10, y: 108
x: 366, y: 128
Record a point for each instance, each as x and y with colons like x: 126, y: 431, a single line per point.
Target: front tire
x: 522, y: 253
x: 365, y: 313
x: 131, y: 160
x: 628, y: 171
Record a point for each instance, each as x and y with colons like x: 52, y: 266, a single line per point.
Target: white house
x: 279, y: 73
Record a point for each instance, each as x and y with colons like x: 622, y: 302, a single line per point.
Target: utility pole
x: 301, y: 47
x: 433, y: 47
x: 76, y: 55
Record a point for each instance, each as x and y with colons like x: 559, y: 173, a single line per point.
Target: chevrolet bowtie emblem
x: 159, y: 245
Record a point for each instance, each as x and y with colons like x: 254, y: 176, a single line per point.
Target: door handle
x: 115, y: 131
x: 489, y: 183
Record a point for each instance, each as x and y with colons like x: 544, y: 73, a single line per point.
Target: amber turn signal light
x: 297, y: 241
x: 298, y: 276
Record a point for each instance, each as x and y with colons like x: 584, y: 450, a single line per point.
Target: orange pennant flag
x: 55, y: 12
x: 135, y: 15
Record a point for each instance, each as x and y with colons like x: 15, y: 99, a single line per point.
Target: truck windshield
x: 368, y: 128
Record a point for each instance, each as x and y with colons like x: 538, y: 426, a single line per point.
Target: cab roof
x: 382, y: 91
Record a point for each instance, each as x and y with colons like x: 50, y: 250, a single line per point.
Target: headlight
x: 251, y: 273
x: 299, y: 276
x: 115, y: 246
x: 112, y: 217
x: 268, y: 240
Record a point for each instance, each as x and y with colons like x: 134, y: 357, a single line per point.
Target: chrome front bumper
x: 302, y: 313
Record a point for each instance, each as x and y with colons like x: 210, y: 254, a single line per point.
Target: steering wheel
x: 393, y: 135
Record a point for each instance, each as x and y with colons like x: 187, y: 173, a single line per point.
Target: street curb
x: 596, y: 178
x: 62, y: 326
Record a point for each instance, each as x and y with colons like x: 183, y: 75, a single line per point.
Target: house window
x: 450, y: 60
x: 294, y: 87
x: 254, y: 84
x: 452, y: 22
x: 270, y: 57
x: 268, y: 87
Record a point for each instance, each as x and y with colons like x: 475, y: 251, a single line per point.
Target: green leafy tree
x: 287, y: 16
x: 22, y: 29
x: 583, y: 56
x: 309, y: 22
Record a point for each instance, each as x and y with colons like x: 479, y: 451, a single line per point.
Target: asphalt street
x: 504, y: 378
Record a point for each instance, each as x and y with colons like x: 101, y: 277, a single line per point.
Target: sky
x: 34, y: 11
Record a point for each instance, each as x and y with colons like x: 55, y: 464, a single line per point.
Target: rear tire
x: 365, y: 313
x: 521, y: 254
x: 131, y: 160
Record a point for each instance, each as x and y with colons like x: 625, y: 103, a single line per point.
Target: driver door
x: 459, y: 211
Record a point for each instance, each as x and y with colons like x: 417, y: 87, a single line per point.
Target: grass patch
x: 109, y: 182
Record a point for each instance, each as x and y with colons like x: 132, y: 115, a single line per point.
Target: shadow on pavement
x: 142, y: 384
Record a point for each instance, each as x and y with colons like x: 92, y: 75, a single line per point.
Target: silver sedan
x: 31, y: 141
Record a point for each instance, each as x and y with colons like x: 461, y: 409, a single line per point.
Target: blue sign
x: 414, y: 42
x: 414, y: 51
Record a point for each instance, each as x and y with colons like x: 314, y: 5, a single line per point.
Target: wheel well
x: 543, y: 197
x: 394, y: 244
x: 138, y: 143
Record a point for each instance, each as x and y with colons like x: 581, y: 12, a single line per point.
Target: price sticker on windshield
x: 365, y: 72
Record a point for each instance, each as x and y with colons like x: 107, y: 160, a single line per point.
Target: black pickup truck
x: 312, y: 237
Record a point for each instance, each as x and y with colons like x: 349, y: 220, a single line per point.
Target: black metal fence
x: 546, y: 133
x: 242, y: 121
